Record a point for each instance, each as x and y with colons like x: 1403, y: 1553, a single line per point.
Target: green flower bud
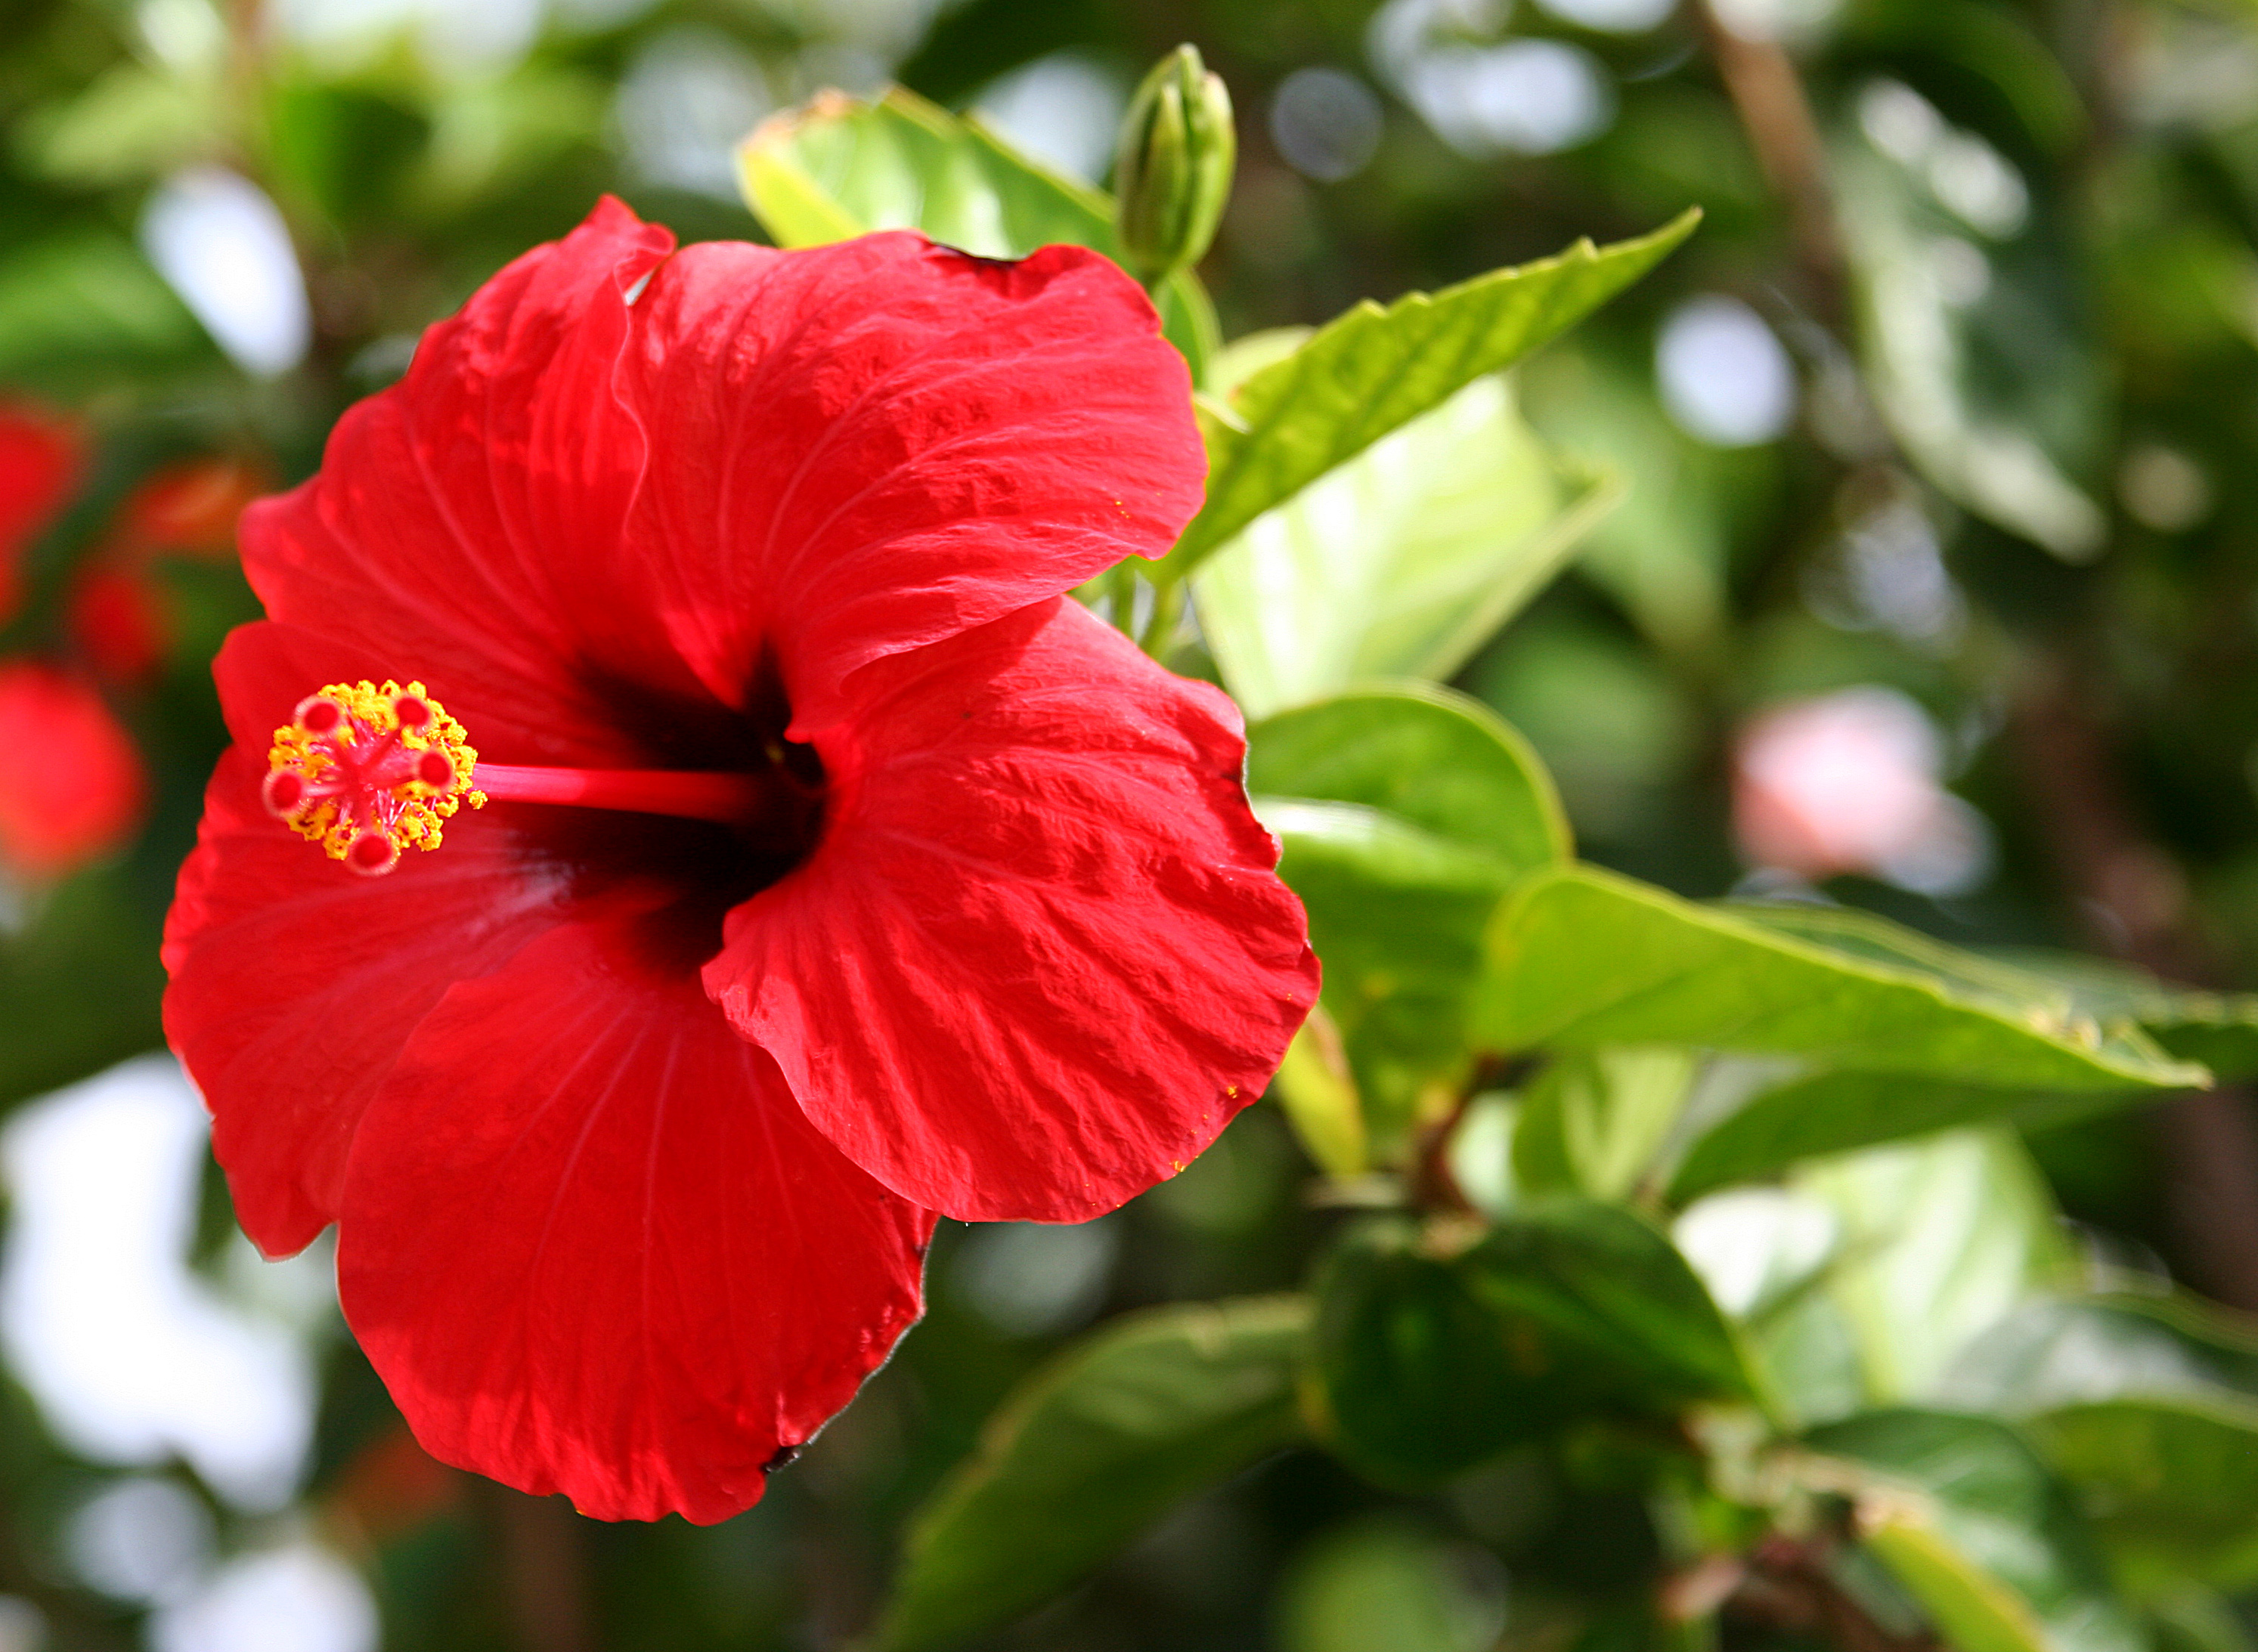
x: 1173, y: 173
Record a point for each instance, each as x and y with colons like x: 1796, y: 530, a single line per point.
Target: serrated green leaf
x: 840, y: 166
x: 1970, y: 1521
x: 1374, y: 370
x: 1429, y: 1360
x: 1443, y: 762
x: 1581, y: 958
x: 1401, y: 562
x: 1088, y: 1452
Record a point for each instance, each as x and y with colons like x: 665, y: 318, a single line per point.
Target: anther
x: 284, y: 793
x: 368, y: 772
x: 319, y: 714
x: 373, y: 854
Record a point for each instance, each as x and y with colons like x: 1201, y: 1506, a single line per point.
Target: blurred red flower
x: 634, y: 1123
x: 72, y: 785
x: 190, y: 507
x: 41, y: 458
x: 118, y: 620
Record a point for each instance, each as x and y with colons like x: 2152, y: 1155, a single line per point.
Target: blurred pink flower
x: 1848, y: 781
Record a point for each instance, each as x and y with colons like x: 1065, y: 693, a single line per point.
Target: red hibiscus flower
x: 40, y: 458
x: 834, y: 870
x: 72, y: 786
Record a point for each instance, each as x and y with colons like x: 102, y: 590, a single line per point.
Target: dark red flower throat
x: 366, y: 772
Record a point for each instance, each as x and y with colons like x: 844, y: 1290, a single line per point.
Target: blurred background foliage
x: 1923, y: 575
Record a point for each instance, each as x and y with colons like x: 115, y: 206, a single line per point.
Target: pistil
x: 731, y: 799
x: 368, y: 772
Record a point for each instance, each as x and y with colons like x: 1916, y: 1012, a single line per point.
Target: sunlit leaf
x: 1940, y: 1240
x: 840, y: 166
x: 1832, y: 1112
x: 2219, y: 1029
x: 1439, y: 760
x: 1582, y: 958
x: 1374, y: 370
x: 1318, y: 1090
x: 1397, y: 913
x: 1401, y: 562
x: 1987, y: 426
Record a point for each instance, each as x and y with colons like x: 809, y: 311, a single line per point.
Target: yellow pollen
x: 358, y: 770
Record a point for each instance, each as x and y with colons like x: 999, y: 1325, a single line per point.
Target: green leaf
x: 1384, y: 1582
x: 1397, y: 914
x: 77, y: 309
x: 130, y: 124
x: 2185, y: 1616
x: 80, y: 983
x: 1437, y: 759
x: 2150, y: 1408
x: 1401, y: 562
x: 2174, y: 1483
x: 1994, y: 441
x: 1581, y: 958
x: 1092, y: 1450
x: 1832, y: 1112
x: 1405, y: 811
x: 1942, y: 1239
x: 840, y: 166
x: 2219, y: 1029
x: 1374, y: 370
x: 1970, y: 1520
x: 1317, y: 1091
x: 1429, y: 1359
x: 1597, y: 1276
x: 1594, y: 1119
x: 1415, y: 1379
x: 2056, y: 1352
x: 1813, y: 1113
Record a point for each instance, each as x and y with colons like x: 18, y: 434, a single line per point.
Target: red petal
x: 72, y: 785
x: 843, y: 452
x: 592, y: 1247
x: 866, y: 447
x: 1041, y: 957
x: 294, y: 983
x: 462, y: 522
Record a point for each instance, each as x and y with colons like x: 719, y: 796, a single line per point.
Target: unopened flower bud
x: 1178, y: 148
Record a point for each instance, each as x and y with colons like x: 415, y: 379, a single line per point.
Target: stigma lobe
x: 367, y: 772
